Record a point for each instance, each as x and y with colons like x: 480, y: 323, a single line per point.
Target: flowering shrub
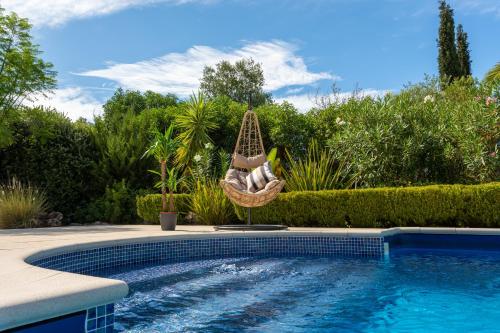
x: 420, y: 135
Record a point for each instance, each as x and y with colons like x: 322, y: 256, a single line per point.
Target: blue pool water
x: 412, y: 291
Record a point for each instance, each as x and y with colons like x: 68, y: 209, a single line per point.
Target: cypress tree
x: 447, y: 51
x: 463, y: 52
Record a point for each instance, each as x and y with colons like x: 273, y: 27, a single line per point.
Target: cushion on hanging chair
x: 259, y: 177
x: 269, y: 186
x: 237, y: 179
x: 240, y: 161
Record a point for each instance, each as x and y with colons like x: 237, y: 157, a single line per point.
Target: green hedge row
x: 149, y: 207
x: 436, y: 205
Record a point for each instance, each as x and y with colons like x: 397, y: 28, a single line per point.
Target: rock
x: 52, y: 219
x: 100, y: 223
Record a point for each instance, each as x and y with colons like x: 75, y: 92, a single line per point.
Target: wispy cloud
x: 179, y: 73
x: 481, y: 6
x: 56, y: 12
x: 305, y: 102
x: 74, y: 102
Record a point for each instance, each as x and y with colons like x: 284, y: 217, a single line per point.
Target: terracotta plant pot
x: 168, y: 220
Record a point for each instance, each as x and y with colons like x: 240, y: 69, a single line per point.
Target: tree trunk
x: 163, y: 189
x: 171, y: 202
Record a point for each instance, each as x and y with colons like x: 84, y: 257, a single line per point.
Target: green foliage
x: 283, y: 127
x: 436, y: 205
x: 195, y: 123
x: 272, y: 157
x: 318, y: 171
x: 463, y: 52
x: 124, y: 101
x: 149, y: 207
x: 228, y: 116
x: 164, y: 145
x: 117, y: 206
x: 421, y: 135
x: 210, y: 205
x: 22, y: 71
x: 493, y: 74
x: 240, y: 82
x: 19, y: 204
x: 210, y: 163
x: 122, y: 137
x: 51, y: 152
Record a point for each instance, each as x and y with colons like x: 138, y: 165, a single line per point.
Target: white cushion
x: 251, y: 162
x: 269, y: 186
x: 259, y: 177
x: 237, y: 179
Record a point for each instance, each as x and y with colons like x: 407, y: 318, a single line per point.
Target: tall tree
x: 240, y: 82
x: 22, y: 72
x: 449, y: 67
x: 463, y: 52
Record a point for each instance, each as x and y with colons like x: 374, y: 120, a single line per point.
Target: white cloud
x: 305, y: 102
x: 74, y: 102
x: 481, y: 6
x: 179, y: 73
x: 56, y: 12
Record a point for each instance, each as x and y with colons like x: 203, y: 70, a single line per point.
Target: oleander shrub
x: 419, y: 136
x: 20, y: 204
x: 210, y: 205
x: 434, y: 205
x: 149, y: 207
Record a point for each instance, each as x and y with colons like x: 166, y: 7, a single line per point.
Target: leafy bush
x: 19, y: 204
x: 117, y: 205
x: 149, y: 207
x: 421, y: 135
x: 51, y: 152
x: 210, y: 205
x: 435, y: 205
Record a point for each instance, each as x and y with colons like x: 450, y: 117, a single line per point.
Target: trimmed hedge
x: 436, y: 205
x: 149, y: 207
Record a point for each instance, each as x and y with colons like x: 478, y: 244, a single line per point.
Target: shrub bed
x: 436, y: 205
x: 149, y: 207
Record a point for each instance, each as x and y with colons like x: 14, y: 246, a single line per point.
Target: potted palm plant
x: 163, y: 148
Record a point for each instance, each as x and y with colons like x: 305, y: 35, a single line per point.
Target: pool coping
x: 30, y: 294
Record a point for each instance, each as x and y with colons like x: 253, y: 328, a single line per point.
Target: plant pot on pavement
x: 168, y: 220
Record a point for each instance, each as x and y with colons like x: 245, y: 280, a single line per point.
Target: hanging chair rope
x: 249, y: 153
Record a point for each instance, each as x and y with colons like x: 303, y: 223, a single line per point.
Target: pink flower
x: 490, y: 100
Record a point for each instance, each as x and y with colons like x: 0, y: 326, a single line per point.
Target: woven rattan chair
x: 249, y: 153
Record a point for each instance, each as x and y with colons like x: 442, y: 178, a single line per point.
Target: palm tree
x: 163, y: 147
x: 195, y: 123
x: 493, y: 74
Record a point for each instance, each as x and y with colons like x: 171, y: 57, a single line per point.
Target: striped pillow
x: 258, y: 178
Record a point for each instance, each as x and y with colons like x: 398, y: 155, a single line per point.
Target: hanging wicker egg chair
x: 248, y: 154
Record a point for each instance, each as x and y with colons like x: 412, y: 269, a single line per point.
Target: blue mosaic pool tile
x: 91, y: 324
x: 93, y: 260
x: 100, y: 319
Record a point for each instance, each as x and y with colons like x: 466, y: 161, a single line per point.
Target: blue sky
x: 305, y: 46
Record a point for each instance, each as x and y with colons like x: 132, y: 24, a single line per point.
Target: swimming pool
x: 398, y: 280
x: 414, y: 290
